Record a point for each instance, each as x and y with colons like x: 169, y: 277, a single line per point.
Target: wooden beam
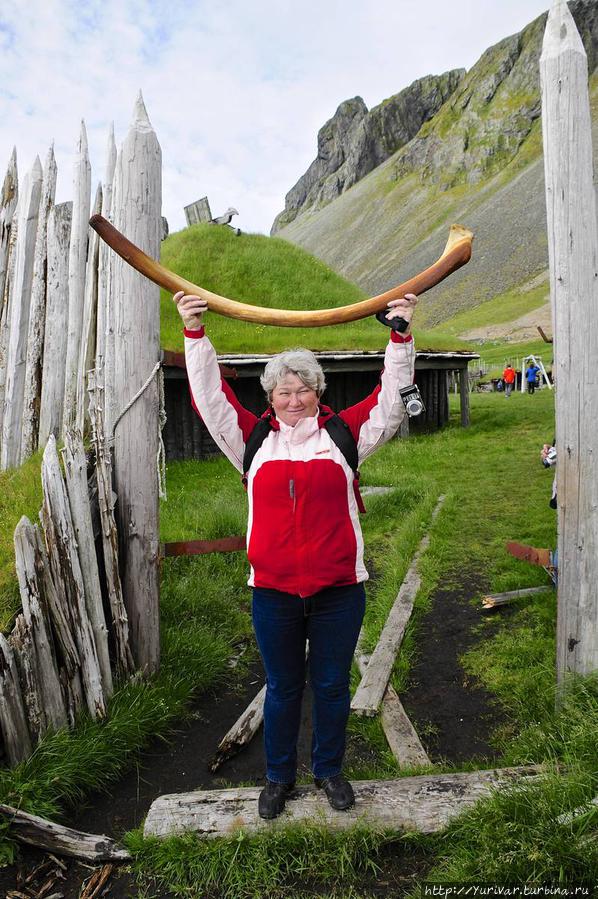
x: 242, y: 731
x: 38, y: 831
x: 492, y: 600
x: 464, y: 396
x: 573, y: 263
x: 37, y: 314
x: 424, y: 804
x: 19, y: 305
x: 137, y: 210
x: 370, y: 691
x: 400, y: 733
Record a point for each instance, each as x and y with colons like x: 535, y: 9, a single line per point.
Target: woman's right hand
x: 191, y: 309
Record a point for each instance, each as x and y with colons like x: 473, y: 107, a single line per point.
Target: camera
x: 414, y: 405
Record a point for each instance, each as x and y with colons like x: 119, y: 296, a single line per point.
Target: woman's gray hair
x: 298, y: 362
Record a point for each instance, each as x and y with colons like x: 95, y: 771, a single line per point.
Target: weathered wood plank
x: 20, y: 296
x: 65, y: 549
x: 372, y: 687
x: 56, y: 328
x: 464, y: 396
x: 29, y: 565
x: 75, y: 468
x: 8, y: 204
x: 400, y: 733
x: 38, y: 831
x: 424, y: 804
x: 55, y: 595
x: 37, y: 314
x: 104, y: 259
x: 573, y: 263
x: 21, y: 642
x: 138, y: 215
x: 87, y: 349
x: 106, y: 497
x: 242, y: 731
x: 13, y: 718
x: 492, y: 600
x: 77, y: 267
x: 8, y: 242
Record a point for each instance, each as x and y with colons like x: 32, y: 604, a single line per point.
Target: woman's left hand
x: 403, y: 308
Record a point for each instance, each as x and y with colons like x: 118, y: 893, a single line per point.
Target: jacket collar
x: 304, y: 428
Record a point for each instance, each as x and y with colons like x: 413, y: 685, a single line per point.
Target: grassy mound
x: 270, y: 272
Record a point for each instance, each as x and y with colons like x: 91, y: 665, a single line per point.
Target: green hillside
x: 478, y: 162
x: 270, y: 272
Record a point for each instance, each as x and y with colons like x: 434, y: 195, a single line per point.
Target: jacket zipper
x: 292, y: 493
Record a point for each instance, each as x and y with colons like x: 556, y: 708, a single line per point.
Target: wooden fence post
x: 62, y: 543
x: 105, y: 256
x: 573, y: 257
x: 56, y: 328
x: 20, y: 295
x: 8, y: 203
x: 37, y: 315
x: 77, y: 267
x: 8, y: 239
x: 13, y: 719
x: 75, y: 466
x: 136, y: 358
x: 36, y: 613
x: 87, y: 349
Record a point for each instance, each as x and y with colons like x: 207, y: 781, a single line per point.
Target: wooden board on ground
x: 492, y: 600
x: 424, y: 804
x: 374, y: 681
x: 400, y: 733
x: 64, y: 840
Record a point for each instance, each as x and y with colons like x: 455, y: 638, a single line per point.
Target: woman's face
x: 293, y: 400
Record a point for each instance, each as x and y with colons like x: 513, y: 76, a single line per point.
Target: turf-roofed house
x: 273, y: 273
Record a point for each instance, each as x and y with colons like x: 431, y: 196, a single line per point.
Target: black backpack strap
x: 340, y: 432
x: 256, y: 438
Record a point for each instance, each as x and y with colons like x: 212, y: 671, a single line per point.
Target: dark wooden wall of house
x: 185, y: 436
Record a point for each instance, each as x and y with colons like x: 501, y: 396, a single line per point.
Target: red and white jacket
x: 303, y: 532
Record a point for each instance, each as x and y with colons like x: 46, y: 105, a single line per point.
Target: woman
x: 304, y: 539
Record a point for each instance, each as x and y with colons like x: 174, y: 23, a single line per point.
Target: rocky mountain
x: 355, y: 141
x: 478, y: 161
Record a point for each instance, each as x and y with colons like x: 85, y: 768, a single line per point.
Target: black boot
x: 338, y: 790
x: 272, y: 798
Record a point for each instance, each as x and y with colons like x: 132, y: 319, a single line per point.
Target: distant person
x: 531, y: 376
x: 508, y: 377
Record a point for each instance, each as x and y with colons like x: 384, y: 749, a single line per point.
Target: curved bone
x: 456, y: 253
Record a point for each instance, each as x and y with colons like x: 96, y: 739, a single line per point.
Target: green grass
x: 496, y: 490
x: 506, y: 307
x: 269, y: 272
x: 20, y: 494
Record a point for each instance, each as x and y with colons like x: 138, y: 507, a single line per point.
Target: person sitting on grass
x: 304, y: 540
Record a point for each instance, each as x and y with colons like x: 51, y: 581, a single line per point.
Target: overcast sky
x: 236, y: 90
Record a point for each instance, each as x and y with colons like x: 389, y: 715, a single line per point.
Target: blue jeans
x: 330, y: 621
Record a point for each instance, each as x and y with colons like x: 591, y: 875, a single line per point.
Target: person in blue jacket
x: 531, y: 375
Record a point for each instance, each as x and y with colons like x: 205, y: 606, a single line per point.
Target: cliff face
x: 355, y: 141
x: 486, y: 120
x: 478, y: 161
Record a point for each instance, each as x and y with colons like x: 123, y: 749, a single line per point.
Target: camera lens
x: 414, y: 407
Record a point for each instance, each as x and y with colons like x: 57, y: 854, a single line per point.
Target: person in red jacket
x: 508, y: 377
x: 304, y: 541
